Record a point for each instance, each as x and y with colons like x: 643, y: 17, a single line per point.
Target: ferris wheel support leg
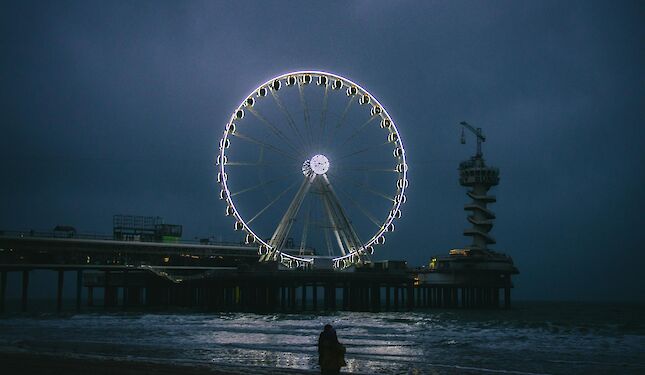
x: 343, y: 225
x: 340, y: 242
x: 332, y: 221
x: 305, y: 231
x: 279, y: 236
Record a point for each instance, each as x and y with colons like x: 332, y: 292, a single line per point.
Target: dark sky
x: 117, y: 107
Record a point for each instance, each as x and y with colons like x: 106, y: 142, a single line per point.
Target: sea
x: 530, y: 338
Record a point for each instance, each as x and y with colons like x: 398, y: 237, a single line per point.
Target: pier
x: 228, y: 277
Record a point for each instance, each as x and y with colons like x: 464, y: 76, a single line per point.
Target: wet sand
x: 49, y: 364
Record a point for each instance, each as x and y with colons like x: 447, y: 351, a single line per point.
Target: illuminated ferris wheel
x: 312, y: 168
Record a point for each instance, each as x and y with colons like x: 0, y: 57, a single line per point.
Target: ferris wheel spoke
x: 358, y: 130
x: 341, y: 119
x: 323, y: 114
x: 362, y: 209
x: 287, y: 114
x: 363, y: 187
x: 282, y: 193
x: 266, y: 145
x: 257, y: 164
x: 363, y: 150
x: 305, y: 110
x: 262, y: 184
x: 359, y: 168
x: 276, y: 131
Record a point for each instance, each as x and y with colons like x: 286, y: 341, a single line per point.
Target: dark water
x: 534, y: 338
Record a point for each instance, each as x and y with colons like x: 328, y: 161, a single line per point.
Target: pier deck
x: 227, y: 277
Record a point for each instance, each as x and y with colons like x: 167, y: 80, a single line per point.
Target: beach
x: 532, y: 338
x: 48, y: 364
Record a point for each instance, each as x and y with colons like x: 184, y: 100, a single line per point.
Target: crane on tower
x: 478, y: 133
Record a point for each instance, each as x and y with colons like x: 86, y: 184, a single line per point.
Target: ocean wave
x: 511, y: 342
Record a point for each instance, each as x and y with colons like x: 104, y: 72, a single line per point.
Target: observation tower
x: 473, y: 276
x: 476, y: 175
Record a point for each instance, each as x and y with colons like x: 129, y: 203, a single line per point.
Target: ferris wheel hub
x: 318, y: 164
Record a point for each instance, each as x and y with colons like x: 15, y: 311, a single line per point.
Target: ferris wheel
x: 312, y: 169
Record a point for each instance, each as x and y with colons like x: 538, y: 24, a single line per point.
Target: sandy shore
x: 49, y: 364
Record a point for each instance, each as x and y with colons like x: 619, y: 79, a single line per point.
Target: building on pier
x: 144, y: 228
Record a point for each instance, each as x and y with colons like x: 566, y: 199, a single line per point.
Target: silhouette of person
x: 331, y: 353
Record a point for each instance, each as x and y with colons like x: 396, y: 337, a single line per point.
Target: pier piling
x: 90, y: 296
x: 59, y: 292
x: 79, y: 289
x: 3, y: 290
x: 110, y: 293
x: 387, y: 298
x: 25, y: 289
x: 304, y: 297
x: 396, y: 298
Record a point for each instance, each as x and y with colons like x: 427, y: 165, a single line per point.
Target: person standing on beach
x: 331, y: 353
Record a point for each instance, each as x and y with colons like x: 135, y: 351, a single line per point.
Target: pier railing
x: 100, y: 236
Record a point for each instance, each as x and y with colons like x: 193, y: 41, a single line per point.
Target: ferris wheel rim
x: 398, y: 143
